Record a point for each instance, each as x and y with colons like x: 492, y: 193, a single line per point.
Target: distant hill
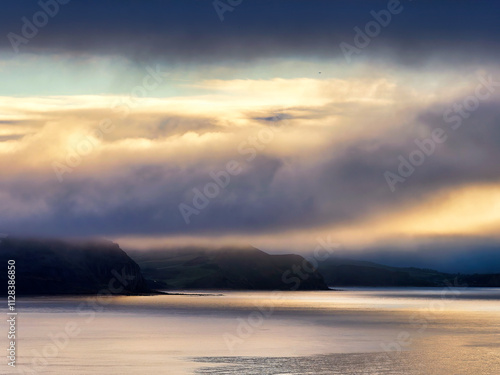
x: 347, y: 272
x: 57, y: 267
x: 51, y: 267
x: 226, y: 268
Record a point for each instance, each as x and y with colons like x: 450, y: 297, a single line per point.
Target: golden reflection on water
x: 367, y: 331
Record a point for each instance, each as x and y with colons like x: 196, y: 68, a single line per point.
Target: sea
x: 449, y: 331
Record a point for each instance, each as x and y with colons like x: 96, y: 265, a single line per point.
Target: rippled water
x: 354, y: 331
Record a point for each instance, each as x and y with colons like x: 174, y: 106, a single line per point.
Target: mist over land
x: 73, y: 267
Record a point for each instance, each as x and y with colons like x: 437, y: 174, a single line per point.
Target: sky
x: 371, y: 124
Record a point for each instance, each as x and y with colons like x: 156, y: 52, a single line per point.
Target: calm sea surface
x: 353, y: 331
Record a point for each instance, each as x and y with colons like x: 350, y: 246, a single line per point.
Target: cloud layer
x: 192, y: 31
x: 311, y: 156
x: 155, y: 122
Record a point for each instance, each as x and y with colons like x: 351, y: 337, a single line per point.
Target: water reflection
x: 355, y: 331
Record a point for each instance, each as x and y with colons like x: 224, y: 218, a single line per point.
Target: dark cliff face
x: 228, y: 268
x: 46, y: 267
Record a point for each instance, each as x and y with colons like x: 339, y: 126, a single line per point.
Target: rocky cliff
x: 48, y: 267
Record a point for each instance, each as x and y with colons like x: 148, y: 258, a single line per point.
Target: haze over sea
x: 353, y: 331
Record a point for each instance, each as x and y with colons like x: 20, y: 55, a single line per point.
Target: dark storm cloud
x: 271, y: 193
x: 469, y: 155
x: 144, y: 200
x: 190, y: 30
